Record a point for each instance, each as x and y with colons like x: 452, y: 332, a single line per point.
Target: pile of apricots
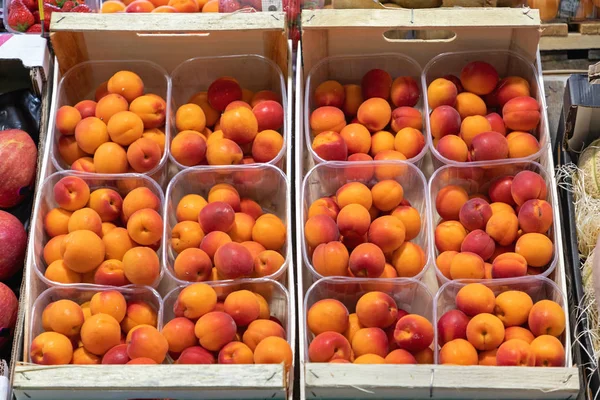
x: 226, y: 237
x: 99, y: 237
x: 378, y: 332
x: 373, y: 120
x: 504, y: 330
x: 164, y: 6
x: 238, y: 330
x: 108, y: 329
x: 480, y: 117
x: 365, y: 232
x: 228, y: 125
x: 503, y: 234
x: 121, y: 131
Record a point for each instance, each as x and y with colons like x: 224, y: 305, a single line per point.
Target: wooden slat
x: 138, y: 381
x: 557, y: 29
x: 573, y: 41
x: 469, y: 3
x: 341, y: 381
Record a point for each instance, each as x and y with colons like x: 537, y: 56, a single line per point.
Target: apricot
x: 370, y: 341
x: 56, y: 222
x: 146, y: 341
x: 400, y: 356
x: 90, y: 133
x: 500, y: 191
x: 449, y: 200
x: 85, y: 219
x: 522, y: 144
x: 381, y: 141
x: 443, y: 262
x: 239, y: 125
x: 141, y: 266
x: 453, y: 148
x: 51, y: 348
x: 107, y: 203
x: 352, y: 99
x: 512, y: 307
x: 64, y: 317
x: 409, y: 260
x: 480, y: 243
x: 489, y: 146
x: 475, y: 298
x: 458, y: 352
x: 267, y: 145
x: 485, y: 331
x: 112, y: 6
x: 473, y: 126
x: 274, y: 350
x: 449, y: 235
x: 260, y: 329
x: 329, y: 93
x: 376, y: 310
x: 376, y: 83
x: 195, y: 301
x: 452, y: 325
x: 441, y: 92
x: 331, y: 259
x: 254, y: 248
x: 410, y: 219
x: 67, y: 118
x: 528, y: 185
x: 82, y: 251
x: 69, y: 150
x: 193, y: 265
x: 469, y: 104
x: 357, y: 138
x: 330, y: 146
x: 110, y: 158
x: 535, y: 216
x: 109, y: 302
x: 211, y: 115
x: 503, y: 228
x: 327, y: 118
x: 117, y: 242
x: 324, y: 205
x: 515, y: 352
x: 251, y: 208
x: 405, y: 92
x: 444, y: 121
x: 57, y: 271
x: 145, y: 226
x: 546, y: 318
x: 86, y: 108
x: 517, y: 332
x: 548, y: 351
x: 126, y: 83
x: 374, y: 113
x: 329, y: 346
x: 410, y: 142
x: 467, y: 265
x: 52, y: 249
x: 213, y: 241
x: 406, y: 117
x: 101, y: 91
x: 510, y: 87
x: 536, y: 248
x: 270, y: 231
x: 479, y: 77
x: 100, y: 333
x: 413, y: 333
x: 509, y: 265
x: 189, y: 207
x: 242, y: 306
x: 327, y: 315
x: 268, y: 263
x: 125, y: 127
x: 109, y: 105
x: 521, y: 113
x: 224, y: 152
x: 215, y: 329
x: 185, y: 235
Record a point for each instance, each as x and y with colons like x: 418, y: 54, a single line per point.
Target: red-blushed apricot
x: 387, y: 232
x: 509, y: 88
x: 509, y: 265
x: 329, y: 93
x: 413, y: 333
x: 213, y: 241
x: 242, y: 306
x: 515, y: 352
x: 329, y: 346
x: 479, y: 77
x: 330, y: 146
x: 453, y: 148
x: 536, y: 248
x: 546, y: 318
x: 353, y: 219
x: 357, y: 138
x: 485, y: 331
x: 528, y: 185
x: 467, y: 265
x: 452, y: 325
x: 215, y: 329
x: 521, y: 113
x: 405, y: 92
x: 232, y: 260
x: 367, y: 260
x: 443, y: 121
x: 488, y: 146
x: 475, y: 214
x: 376, y: 83
x: 324, y: 205
x: 449, y: 200
x: 517, y: 332
x: 535, y: 216
x: 458, y: 352
x: 443, y: 262
x: 456, y: 81
x: 500, y: 191
x: 327, y: 315
x: 497, y: 124
x: 468, y: 104
x: 320, y: 229
x: 51, y: 348
x: 376, y: 309
x: 475, y: 298
x: 441, y: 92
x: 327, y: 118
x: 147, y: 342
x: 406, y: 117
x: 449, y: 236
x: 480, y: 243
x: 375, y: 113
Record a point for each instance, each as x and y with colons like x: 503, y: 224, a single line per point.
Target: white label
x: 272, y: 5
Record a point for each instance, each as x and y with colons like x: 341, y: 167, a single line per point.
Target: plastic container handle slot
x: 421, y: 35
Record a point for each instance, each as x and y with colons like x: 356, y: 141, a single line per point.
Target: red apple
x: 8, y: 312
x: 17, y: 169
x: 13, y: 241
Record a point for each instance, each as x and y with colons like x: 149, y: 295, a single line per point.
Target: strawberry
x: 82, y: 8
x: 68, y: 6
x: 48, y: 10
x: 36, y: 17
x: 19, y: 16
x: 32, y: 5
x: 35, y: 28
x: 51, y: 2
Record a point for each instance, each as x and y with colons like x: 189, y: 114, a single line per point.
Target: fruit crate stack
x: 162, y: 223
x: 428, y: 219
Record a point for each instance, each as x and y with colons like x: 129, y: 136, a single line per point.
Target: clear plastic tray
x: 477, y: 180
x: 351, y: 69
x: 410, y: 294
x: 252, y: 72
x: 537, y: 287
x: 263, y: 183
x: 507, y: 63
x: 274, y: 292
x: 122, y: 183
x: 94, y: 6
x: 82, y: 293
x: 325, y: 179
x: 80, y: 83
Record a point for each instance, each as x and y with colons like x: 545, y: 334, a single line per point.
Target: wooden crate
x: 167, y: 41
x: 347, y: 32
